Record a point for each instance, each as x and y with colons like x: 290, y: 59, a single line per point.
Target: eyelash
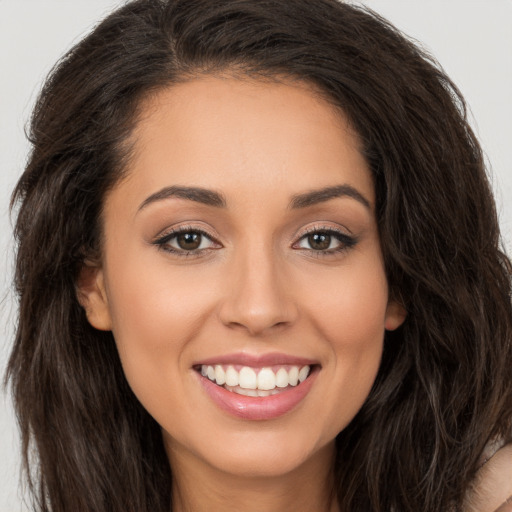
x: 346, y: 242
x: 162, y: 242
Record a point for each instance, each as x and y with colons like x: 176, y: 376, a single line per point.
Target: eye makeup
x: 185, y: 241
x: 325, y: 241
x: 320, y: 241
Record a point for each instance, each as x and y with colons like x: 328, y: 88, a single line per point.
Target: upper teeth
x: 249, y: 378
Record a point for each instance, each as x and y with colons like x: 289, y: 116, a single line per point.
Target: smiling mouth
x: 256, y: 382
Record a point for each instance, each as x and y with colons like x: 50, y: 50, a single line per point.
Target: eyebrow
x: 197, y: 194
x: 216, y: 199
x: 325, y: 194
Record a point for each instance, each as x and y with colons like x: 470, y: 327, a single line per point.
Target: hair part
x: 443, y: 389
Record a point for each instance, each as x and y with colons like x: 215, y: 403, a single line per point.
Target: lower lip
x: 258, y: 408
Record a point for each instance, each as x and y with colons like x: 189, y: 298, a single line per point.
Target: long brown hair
x: 444, y: 388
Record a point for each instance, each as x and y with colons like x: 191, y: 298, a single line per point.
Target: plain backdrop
x: 470, y: 38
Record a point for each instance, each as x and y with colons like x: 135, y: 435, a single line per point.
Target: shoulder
x: 491, y: 490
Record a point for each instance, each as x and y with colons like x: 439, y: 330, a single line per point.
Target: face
x: 243, y: 247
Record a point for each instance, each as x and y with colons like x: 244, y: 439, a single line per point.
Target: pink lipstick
x: 257, y: 387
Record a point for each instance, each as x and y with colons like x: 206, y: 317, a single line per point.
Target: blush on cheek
x: 355, y: 323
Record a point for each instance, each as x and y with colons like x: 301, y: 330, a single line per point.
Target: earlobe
x: 91, y: 294
x: 395, y: 315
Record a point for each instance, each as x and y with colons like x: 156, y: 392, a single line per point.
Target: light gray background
x: 471, y: 38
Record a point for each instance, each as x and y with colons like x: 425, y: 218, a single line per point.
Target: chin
x: 269, y: 453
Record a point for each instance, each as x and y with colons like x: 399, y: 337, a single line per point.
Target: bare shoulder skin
x: 492, y: 489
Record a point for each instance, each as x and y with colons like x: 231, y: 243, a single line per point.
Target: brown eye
x: 326, y: 241
x: 319, y: 241
x: 189, y: 241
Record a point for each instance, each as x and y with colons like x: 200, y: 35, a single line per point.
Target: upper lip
x: 257, y: 360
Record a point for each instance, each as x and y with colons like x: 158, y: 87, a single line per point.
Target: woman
x: 259, y: 269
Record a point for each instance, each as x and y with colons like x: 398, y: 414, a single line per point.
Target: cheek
x: 350, y: 314
x: 349, y: 307
x: 156, y: 312
x: 354, y: 322
x: 155, y: 302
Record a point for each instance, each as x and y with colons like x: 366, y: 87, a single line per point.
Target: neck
x: 197, y: 486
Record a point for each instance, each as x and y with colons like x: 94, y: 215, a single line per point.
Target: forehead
x: 230, y: 134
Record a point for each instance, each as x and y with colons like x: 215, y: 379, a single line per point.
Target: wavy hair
x: 444, y: 388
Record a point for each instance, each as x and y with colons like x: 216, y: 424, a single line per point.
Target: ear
x: 395, y: 315
x: 92, y: 296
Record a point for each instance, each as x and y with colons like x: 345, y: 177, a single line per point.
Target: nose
x: 257, y: 299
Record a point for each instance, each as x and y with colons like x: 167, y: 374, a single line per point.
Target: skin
x: 259, y: 287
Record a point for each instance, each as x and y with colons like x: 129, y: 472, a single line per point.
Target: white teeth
x: 281, y: 378
x: 293, y: 376
x: 266, y: 379
x: 220, y: 375
x: 247, y: 378
x: 246, y: 392
x: 261, y: 383
x: 303, y: 373
x: 231, y: 376
x: 252, y: 392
